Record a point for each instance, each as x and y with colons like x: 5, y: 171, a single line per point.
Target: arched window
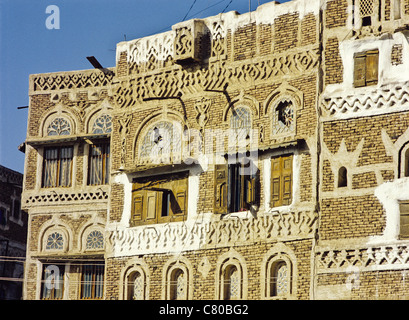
x: 178, y: 287
x: 161, y: 143
x: 136, y: 286
x: 59, y: 127
x: 102, y: 124
x: 55, y: 241
x: 240, y: 122
x: 406, y: 160
x: 280, y: 281
x: 135, y: 281
x: 342, y: 177
x: 95, y: 240
x: 231, y: 283
x: 284, y: 117
x: 177, y: 276
x: 279, y: 273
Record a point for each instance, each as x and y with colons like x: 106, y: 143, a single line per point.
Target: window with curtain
x: 57, y: 167
x: 92, y: 281
x: 52, y: 286
x: 99, y: 164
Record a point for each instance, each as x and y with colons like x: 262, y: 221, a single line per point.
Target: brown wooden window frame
x: 92, y: 283
x: 53, y: 293
x: 281, y: 184
x: 99, y: 163
x: 404, y: 219
x: 234, y: 190
x: 57, y: 162
x: 366, y: 68
x: 159, y: 199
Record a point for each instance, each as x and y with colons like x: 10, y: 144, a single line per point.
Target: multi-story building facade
x: 13, y: 235
x: 253, y: 156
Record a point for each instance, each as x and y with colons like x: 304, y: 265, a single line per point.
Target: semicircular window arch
x: 55, y: 241
x: 240, y: 122
x: 284, y: 116
x: 59, y: 127
x: 161, y: 141
x: 94, y: 240
x: 102, y: 124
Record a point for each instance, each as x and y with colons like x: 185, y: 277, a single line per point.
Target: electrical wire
x: 227, y: 6
x: 189, y: 10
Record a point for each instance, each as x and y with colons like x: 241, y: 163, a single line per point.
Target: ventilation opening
x: 342, y: 177
x: 366, y: 21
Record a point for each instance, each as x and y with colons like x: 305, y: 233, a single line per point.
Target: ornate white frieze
x: 67, y: 81
x: 364, y: 258
x: 201, y: 234
x: 174, y: 80
x: 367, y: 102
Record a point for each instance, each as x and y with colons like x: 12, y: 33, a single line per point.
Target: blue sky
x: 87, y: 28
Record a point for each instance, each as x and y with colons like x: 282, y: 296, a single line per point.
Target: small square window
x: 366, y: 68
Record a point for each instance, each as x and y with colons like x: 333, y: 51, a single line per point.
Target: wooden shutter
x: 275, y: 182
x: 151, y: 203
x: 404, y: 220
x: 287, y: 174
x: 137, y: 208
x: 178, y: 200
x: 181, y: 200
x: 372, y: 58
x: 220, y: 188
x: 281, y: 181
x: 359, y: 70
x: 250, y: 190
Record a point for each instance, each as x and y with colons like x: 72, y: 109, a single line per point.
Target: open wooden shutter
x: 275, y: 182
x: 181, y: 200
x: 287, y: 174
x: 151, y: 203
x: 359, y: 70
x: 250, y: 190
x: 372, y: 58
x: 137, y: 208
x: 220, y: 188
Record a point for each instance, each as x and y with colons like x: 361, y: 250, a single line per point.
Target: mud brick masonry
x: 134, y: 189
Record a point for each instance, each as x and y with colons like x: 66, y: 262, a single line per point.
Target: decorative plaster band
x: 195, y: 235
x: 386, y: 257
x: 370, y: 102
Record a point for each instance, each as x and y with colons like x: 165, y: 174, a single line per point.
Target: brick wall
x: 117, y: 200
x: 204, y: 288
x: 286, y: 32
x: 244, y: 40
x: 371, y: 285
x: 333, y: 63
x: 336, y: 13
x: 351, y: 217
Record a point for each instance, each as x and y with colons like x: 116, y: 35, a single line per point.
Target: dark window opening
x: 342, y: 177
